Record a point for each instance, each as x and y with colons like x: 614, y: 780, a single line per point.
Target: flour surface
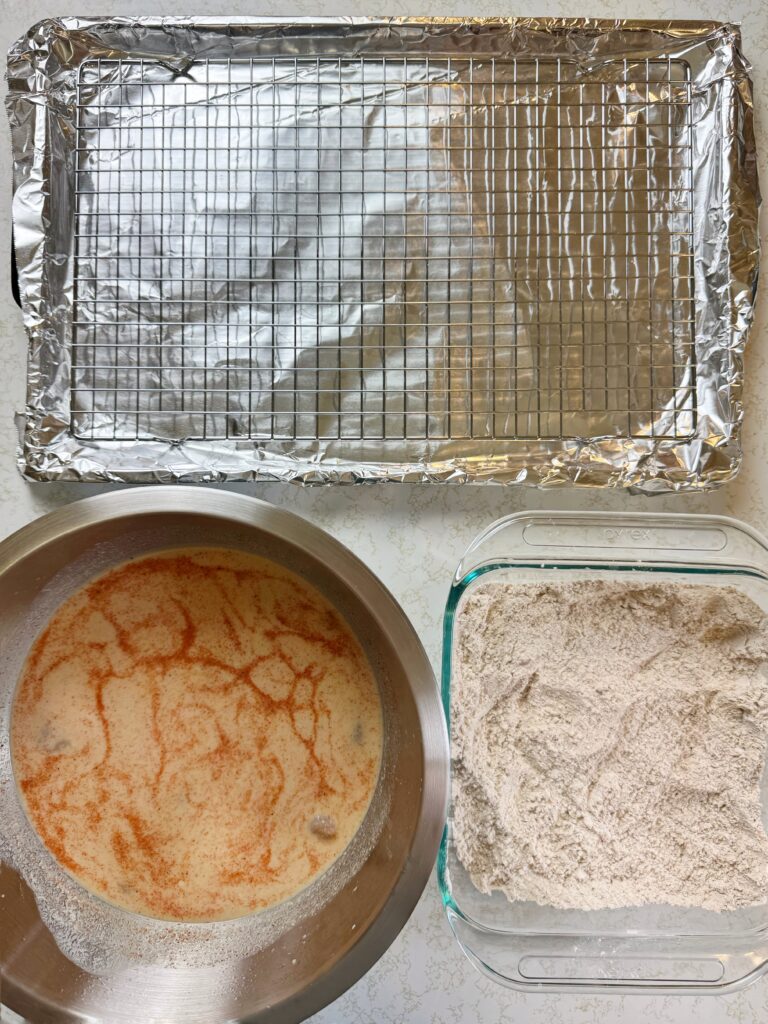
x: 608, y: 742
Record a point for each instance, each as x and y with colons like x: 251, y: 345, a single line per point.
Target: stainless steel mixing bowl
x: 277, y: 984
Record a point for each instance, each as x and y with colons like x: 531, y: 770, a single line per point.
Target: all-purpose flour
x: 609, y: 741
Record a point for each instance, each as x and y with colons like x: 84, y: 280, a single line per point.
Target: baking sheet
x: 345, y: 250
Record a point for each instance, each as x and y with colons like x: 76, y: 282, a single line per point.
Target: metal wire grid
x: 410, y: 248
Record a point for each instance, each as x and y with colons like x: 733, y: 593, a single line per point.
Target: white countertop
x: 413, y: 537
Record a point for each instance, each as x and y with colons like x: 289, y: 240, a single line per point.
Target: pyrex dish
x: 647, y: 949
x: 321, y: 952
x: 509, y: 250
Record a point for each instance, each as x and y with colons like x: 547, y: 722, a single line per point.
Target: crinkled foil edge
x: 41, y: 72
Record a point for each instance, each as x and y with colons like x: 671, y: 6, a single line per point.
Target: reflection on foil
x: 423, y: 250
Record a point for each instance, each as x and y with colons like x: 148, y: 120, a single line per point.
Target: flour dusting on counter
x: 609, y: 741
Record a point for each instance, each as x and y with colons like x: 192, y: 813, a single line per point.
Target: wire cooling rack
x: 383, y: 248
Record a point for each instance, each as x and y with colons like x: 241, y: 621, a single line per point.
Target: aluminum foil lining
x: 347, y: 250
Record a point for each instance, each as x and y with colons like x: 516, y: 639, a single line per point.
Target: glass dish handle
x: 604, y: 964
x: 611, y: 538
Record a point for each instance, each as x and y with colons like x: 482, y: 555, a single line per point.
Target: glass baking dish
x: 650, y: 949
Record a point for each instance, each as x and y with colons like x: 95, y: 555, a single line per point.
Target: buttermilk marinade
x: 196, y: 734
